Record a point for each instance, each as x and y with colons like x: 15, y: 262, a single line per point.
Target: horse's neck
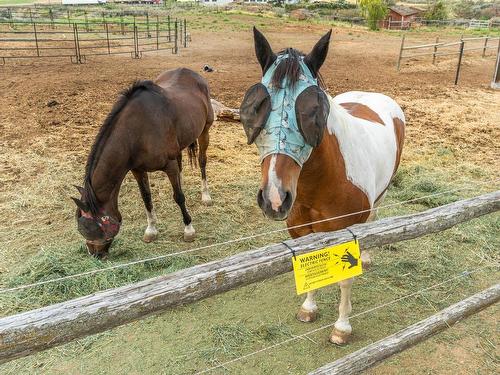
x: 108, y: 175
x: 325, y: 167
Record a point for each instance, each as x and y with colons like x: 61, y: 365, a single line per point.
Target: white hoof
x: 206, y: 199
x: 366, y: 260
x: 341, y: 332
x: 189, y: 233
x: 307, y: 316
x: 150, y: 235
x: 338, y: 337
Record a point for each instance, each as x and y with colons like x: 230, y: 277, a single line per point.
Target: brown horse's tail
x: 193, y: 153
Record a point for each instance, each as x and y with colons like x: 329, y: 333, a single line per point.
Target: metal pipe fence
x: 78, y: 40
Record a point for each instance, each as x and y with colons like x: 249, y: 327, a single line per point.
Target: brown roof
x: 404, y: 11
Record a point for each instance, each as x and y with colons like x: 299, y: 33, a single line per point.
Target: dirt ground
x: 452, y: 130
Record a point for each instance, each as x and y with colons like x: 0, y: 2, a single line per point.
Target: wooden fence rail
x: 370, y: 355
x: 40, y: 329
x: 462, y: 48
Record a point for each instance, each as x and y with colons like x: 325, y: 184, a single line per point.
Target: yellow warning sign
x: 327, y: 266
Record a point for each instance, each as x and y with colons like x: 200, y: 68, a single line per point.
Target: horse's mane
x: 289, y: 69
x: 104, y: 134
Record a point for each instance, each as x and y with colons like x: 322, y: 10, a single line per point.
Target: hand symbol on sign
x: 349, y: 258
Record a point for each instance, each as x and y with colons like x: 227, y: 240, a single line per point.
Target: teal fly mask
x: 286, y: 120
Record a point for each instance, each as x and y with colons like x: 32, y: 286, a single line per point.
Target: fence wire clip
x: 292, y: 250
x: 353, y: 235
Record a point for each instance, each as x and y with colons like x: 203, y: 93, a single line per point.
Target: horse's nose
x: 278, y: 208
x: 99, y: 250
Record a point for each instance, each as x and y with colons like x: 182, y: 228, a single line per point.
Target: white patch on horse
x: 310, y: 304
x: 369, y: 151
x: 274, y: 185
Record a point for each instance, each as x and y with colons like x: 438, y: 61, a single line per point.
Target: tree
x: 374, y: 11
x: 437, y: 11
x: 467, y: 9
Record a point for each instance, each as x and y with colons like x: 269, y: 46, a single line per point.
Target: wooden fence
x: 40, y: 329
x: 461, y: 47
x: 370, y: 355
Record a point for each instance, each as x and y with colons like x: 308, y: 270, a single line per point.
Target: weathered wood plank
x: 225, y: 113
x: 40, y: 329
x: 370, y: 355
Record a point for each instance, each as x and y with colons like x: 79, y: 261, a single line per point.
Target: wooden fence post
x: 485, y: 46
x: 460, y: 54
x: 435, y: 51
x: 495, y: 83
x: 401, y: 52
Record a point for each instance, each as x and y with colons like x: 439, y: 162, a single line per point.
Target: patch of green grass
x: 56, y: 262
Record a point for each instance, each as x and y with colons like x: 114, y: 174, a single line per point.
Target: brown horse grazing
x: 146, y: 131
x: 321, y: 157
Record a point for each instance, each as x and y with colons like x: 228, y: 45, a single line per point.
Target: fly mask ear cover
x: 281, y: 133
x: 312, y: 109
x: 254, y: 111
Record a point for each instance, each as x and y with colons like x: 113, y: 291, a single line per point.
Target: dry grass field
x: 452, y: 142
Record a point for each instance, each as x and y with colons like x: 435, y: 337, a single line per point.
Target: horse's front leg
x: 151, y: 233
x: 174, y: 176
x: 342, y: 329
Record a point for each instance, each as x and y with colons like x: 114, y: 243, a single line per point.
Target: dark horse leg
x: 174, y: 176
x: 151, y: 233
x: 203, y: 141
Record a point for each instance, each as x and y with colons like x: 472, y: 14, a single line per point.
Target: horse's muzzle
x: 273, y: 210
x: 99, y: 249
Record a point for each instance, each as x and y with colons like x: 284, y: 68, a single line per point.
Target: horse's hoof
x: 206, y: 199
x: 150, y: 236
x: 189, y: 233
x: 366, y: 260
x: 338, y: 337
x: 307, y: 316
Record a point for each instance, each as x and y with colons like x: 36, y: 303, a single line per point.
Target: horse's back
x: 370, y: 130
x: 385, y: 107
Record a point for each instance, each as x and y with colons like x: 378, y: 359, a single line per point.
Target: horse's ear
x: 255, y: 110
x: 80, y: 189
x: 317, y: 56
x: 81, y: 205
x: 312, y: 109
x: 263, y: 50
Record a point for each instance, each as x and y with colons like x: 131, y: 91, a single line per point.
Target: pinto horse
x: 321, y: 157
x: 147, y: 129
